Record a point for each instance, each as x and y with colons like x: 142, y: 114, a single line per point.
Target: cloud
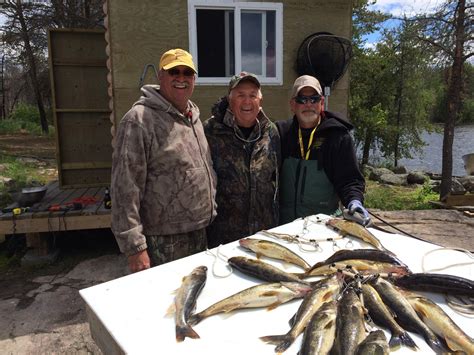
x: 406, y: 7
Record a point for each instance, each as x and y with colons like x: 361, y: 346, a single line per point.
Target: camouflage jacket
x: 247, y: 175
x: 162, y: 176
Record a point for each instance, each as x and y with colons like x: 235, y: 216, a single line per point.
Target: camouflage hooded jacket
x: 247, y: 175
x: 162, y: 177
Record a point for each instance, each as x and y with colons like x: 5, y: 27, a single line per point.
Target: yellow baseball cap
x: 175, y: 57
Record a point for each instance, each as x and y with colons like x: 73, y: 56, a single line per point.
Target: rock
x: 417, y: 177
x: 3, y: 167
x: 6, y: 181
x: 400, y: 170
x: 393, y: 179
x: 28, y: 160
x: 435, y: 185
x: 457, y: 188
x: 367, y: 170
x: 378, y: 172
x: 467, y: 182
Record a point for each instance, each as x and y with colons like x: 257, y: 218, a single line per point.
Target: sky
x: 399, y: 8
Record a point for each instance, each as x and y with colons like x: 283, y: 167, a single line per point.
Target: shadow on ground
x: 40, y: 306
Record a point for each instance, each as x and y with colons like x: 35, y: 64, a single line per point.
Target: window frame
x: 237, y: 7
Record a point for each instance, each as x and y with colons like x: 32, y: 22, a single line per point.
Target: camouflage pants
x: 166, y: 248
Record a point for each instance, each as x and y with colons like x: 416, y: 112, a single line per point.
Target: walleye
x: 268, y: 295
x: 354, y: 229
x: 262, y: 270
x: 442, y: 283
x: 350, y: 324
x: 382, y: 256
x: 380, y: 314
x: 359, y: 266
x: 273, y: 250
x: 323, y: 291
x: 185, y: 302
x: 319, y: 334
x: 374, y: 344
x: 406, y: 315
x: 440, y: 323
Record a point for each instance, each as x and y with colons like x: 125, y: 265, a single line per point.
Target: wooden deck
x: 39, y: 219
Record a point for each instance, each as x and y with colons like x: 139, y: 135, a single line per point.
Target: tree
x: 449, y: 32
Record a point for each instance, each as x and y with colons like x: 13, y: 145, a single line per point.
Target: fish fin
x: 273, y: 306
x: 171, y: 310
x: 258, y: 255
x: 407, y: 340
x: 395, y: 342
x: 269, y: 293
x: 292, y: 320
x: 194, y: 319
x: 185, y: 331
x: 285, y: 344
x: 273, y: 339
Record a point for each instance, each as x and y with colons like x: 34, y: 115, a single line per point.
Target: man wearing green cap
x: 245, y: 149
x: 163, y: 184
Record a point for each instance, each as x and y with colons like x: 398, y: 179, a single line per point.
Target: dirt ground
x: 24, y: 145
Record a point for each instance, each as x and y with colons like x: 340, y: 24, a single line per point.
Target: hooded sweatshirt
x: 162, y: 177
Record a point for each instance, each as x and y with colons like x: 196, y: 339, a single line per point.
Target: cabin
x: 96, y: 76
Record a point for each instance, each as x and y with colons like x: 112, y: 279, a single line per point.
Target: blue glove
x: 356, y: 206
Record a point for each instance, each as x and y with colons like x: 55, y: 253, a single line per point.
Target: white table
x: 127, y: 315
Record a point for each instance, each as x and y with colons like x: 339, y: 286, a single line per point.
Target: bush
x: 24, y: 119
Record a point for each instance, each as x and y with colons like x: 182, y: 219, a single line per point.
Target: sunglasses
x: 304, y: 99
x: 177, y: 72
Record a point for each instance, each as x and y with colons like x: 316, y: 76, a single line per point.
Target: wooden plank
x: 79, y: 64
x: 460, y: 200
x: 56, y: 224
x: 88, y: 165
x: 83, y: 110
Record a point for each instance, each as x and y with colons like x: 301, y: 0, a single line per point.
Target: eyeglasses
x: 304, y: 99
x: 177, y: 72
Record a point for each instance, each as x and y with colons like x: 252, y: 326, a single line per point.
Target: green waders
x: 305, y: 190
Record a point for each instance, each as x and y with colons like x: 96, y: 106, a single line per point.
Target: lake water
x: 432, y: 154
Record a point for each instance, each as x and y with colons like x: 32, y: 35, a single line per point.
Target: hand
x: 356, y: 206
x: 138, y: 262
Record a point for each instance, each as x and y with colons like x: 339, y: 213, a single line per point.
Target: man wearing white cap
x: 319, y: 163
x: 163, y: 184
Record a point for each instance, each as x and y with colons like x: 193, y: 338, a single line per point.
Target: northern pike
x: 359, y: 266
x: 262, y: 270
x: 374, y: 344
x: 381, y: 315
x: 354, y: 229
x: 268, y: 295
x: 319, y: 334
x: 185, y: 302
x: 350, y: 324
x: 323, y: 291
x: 441, y: 283
x: 406, y: 315
x: 273, y: 250
x: 440, y: 323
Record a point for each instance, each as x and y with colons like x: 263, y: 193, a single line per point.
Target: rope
x: 223, y: 258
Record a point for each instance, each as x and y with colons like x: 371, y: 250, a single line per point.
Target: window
x: 228, y: 37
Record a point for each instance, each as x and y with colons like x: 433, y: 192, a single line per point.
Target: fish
x: 273, y: 250
x: 262, y: 270
x: 364, y: 254
x: 359, y: 266
x: 374, y: 344
x: 185, y: 302
x: 382, y: 315
x: 440, y: 323
x: 438, y: 283
x: 350, y: 324
x: 406, y: 315
x: 323, y: 291
x: 269, y: 295
x: 354, y: 229
x: 319, y: 334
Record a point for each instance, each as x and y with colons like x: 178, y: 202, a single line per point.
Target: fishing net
x: 324, y: 56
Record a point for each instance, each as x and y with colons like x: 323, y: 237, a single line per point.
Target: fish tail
x: 273, y: 339
x: 185, y: 331
x: 285, y: 344
x: 194, y: 319
x: 408, y: 341
x: 395, y: 342
x: 436, y: 345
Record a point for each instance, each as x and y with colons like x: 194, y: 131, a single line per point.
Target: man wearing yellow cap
x: 163, y: 184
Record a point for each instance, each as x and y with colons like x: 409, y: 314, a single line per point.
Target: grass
x: 25, y: 119
x: 392, y: 198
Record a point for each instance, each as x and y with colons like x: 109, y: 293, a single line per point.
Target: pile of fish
x: 360, y: 290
